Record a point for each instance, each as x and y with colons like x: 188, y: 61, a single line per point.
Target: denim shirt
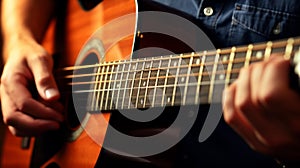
x: 238, y: 22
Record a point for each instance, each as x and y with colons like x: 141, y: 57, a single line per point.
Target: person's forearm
x: 25, y: 19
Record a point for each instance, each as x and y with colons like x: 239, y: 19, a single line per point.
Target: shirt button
x: 208, y: 11
x: 277, y: 29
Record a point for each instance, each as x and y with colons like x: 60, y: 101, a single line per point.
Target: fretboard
x: 174, y: 80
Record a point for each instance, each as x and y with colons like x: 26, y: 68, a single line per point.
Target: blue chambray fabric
x: 238, y: 22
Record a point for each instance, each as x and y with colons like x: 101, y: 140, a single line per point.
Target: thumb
x: 41, y: 67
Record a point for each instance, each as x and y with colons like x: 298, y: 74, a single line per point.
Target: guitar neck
x: 184, y: 79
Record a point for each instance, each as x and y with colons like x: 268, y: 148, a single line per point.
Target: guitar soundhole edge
x: 82, y: 81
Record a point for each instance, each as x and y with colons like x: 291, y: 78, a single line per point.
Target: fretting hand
x: 264, y: 110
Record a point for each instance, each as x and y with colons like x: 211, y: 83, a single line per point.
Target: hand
x: 29, y: 67
x: 264, y: 110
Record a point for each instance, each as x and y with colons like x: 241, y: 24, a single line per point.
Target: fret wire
x: 99, y: 88
x: 213, y: 77
x: 125, y: 90
x: 229, y: 67
x: 289, y: 48
x: 166, y: 80
x: 200, y: 77
x: 104, y: 87
x: 268, y: 50
x: 132, y: 85
x: 176, y: 80
x: 156, y: 81
x: 114, y: 87
x: 109, y: 88
x: 101, y: 92
x: 187, y: 81
x: 248, y: 55
x: 147, y: 85
x: 140, y: 81
x: 119, y: 88
x: 95, y: 87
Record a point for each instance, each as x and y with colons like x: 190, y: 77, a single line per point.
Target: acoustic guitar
x: 98, y: 75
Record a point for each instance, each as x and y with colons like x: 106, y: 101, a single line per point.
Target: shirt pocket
x: 255, y: 24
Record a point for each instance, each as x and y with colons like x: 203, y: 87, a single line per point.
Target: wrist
x: 17, y: 40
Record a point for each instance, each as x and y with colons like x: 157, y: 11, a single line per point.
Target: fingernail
x: 50, y: 93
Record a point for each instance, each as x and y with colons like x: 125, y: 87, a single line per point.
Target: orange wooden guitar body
x: 78, y: 25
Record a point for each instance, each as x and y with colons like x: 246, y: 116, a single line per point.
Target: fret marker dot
x: 118, y: 85
x: 259, y: 54
x: 169, y: 99
x: 222, y: 76
x: 142, y: 101
x: 198, y: 61
x: 175, y: 63
x: 182, y: 79
x: 144, y: 83
x: 225, y: 58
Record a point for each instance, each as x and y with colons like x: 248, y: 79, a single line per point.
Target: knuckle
x: 40, y: 58
x: 44, y: 80
x: 244, y: 104
x: 6, y: 78
x: 267, y: 97
x: 229, y: 118
x: 10, y: 78
x: 228, y: 106
x: 22, y: 105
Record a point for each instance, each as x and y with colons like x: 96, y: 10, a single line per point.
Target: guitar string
x: 206, y: 64
x: 154, y: 70
x: 227, y: 62
x: 173, y: 67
